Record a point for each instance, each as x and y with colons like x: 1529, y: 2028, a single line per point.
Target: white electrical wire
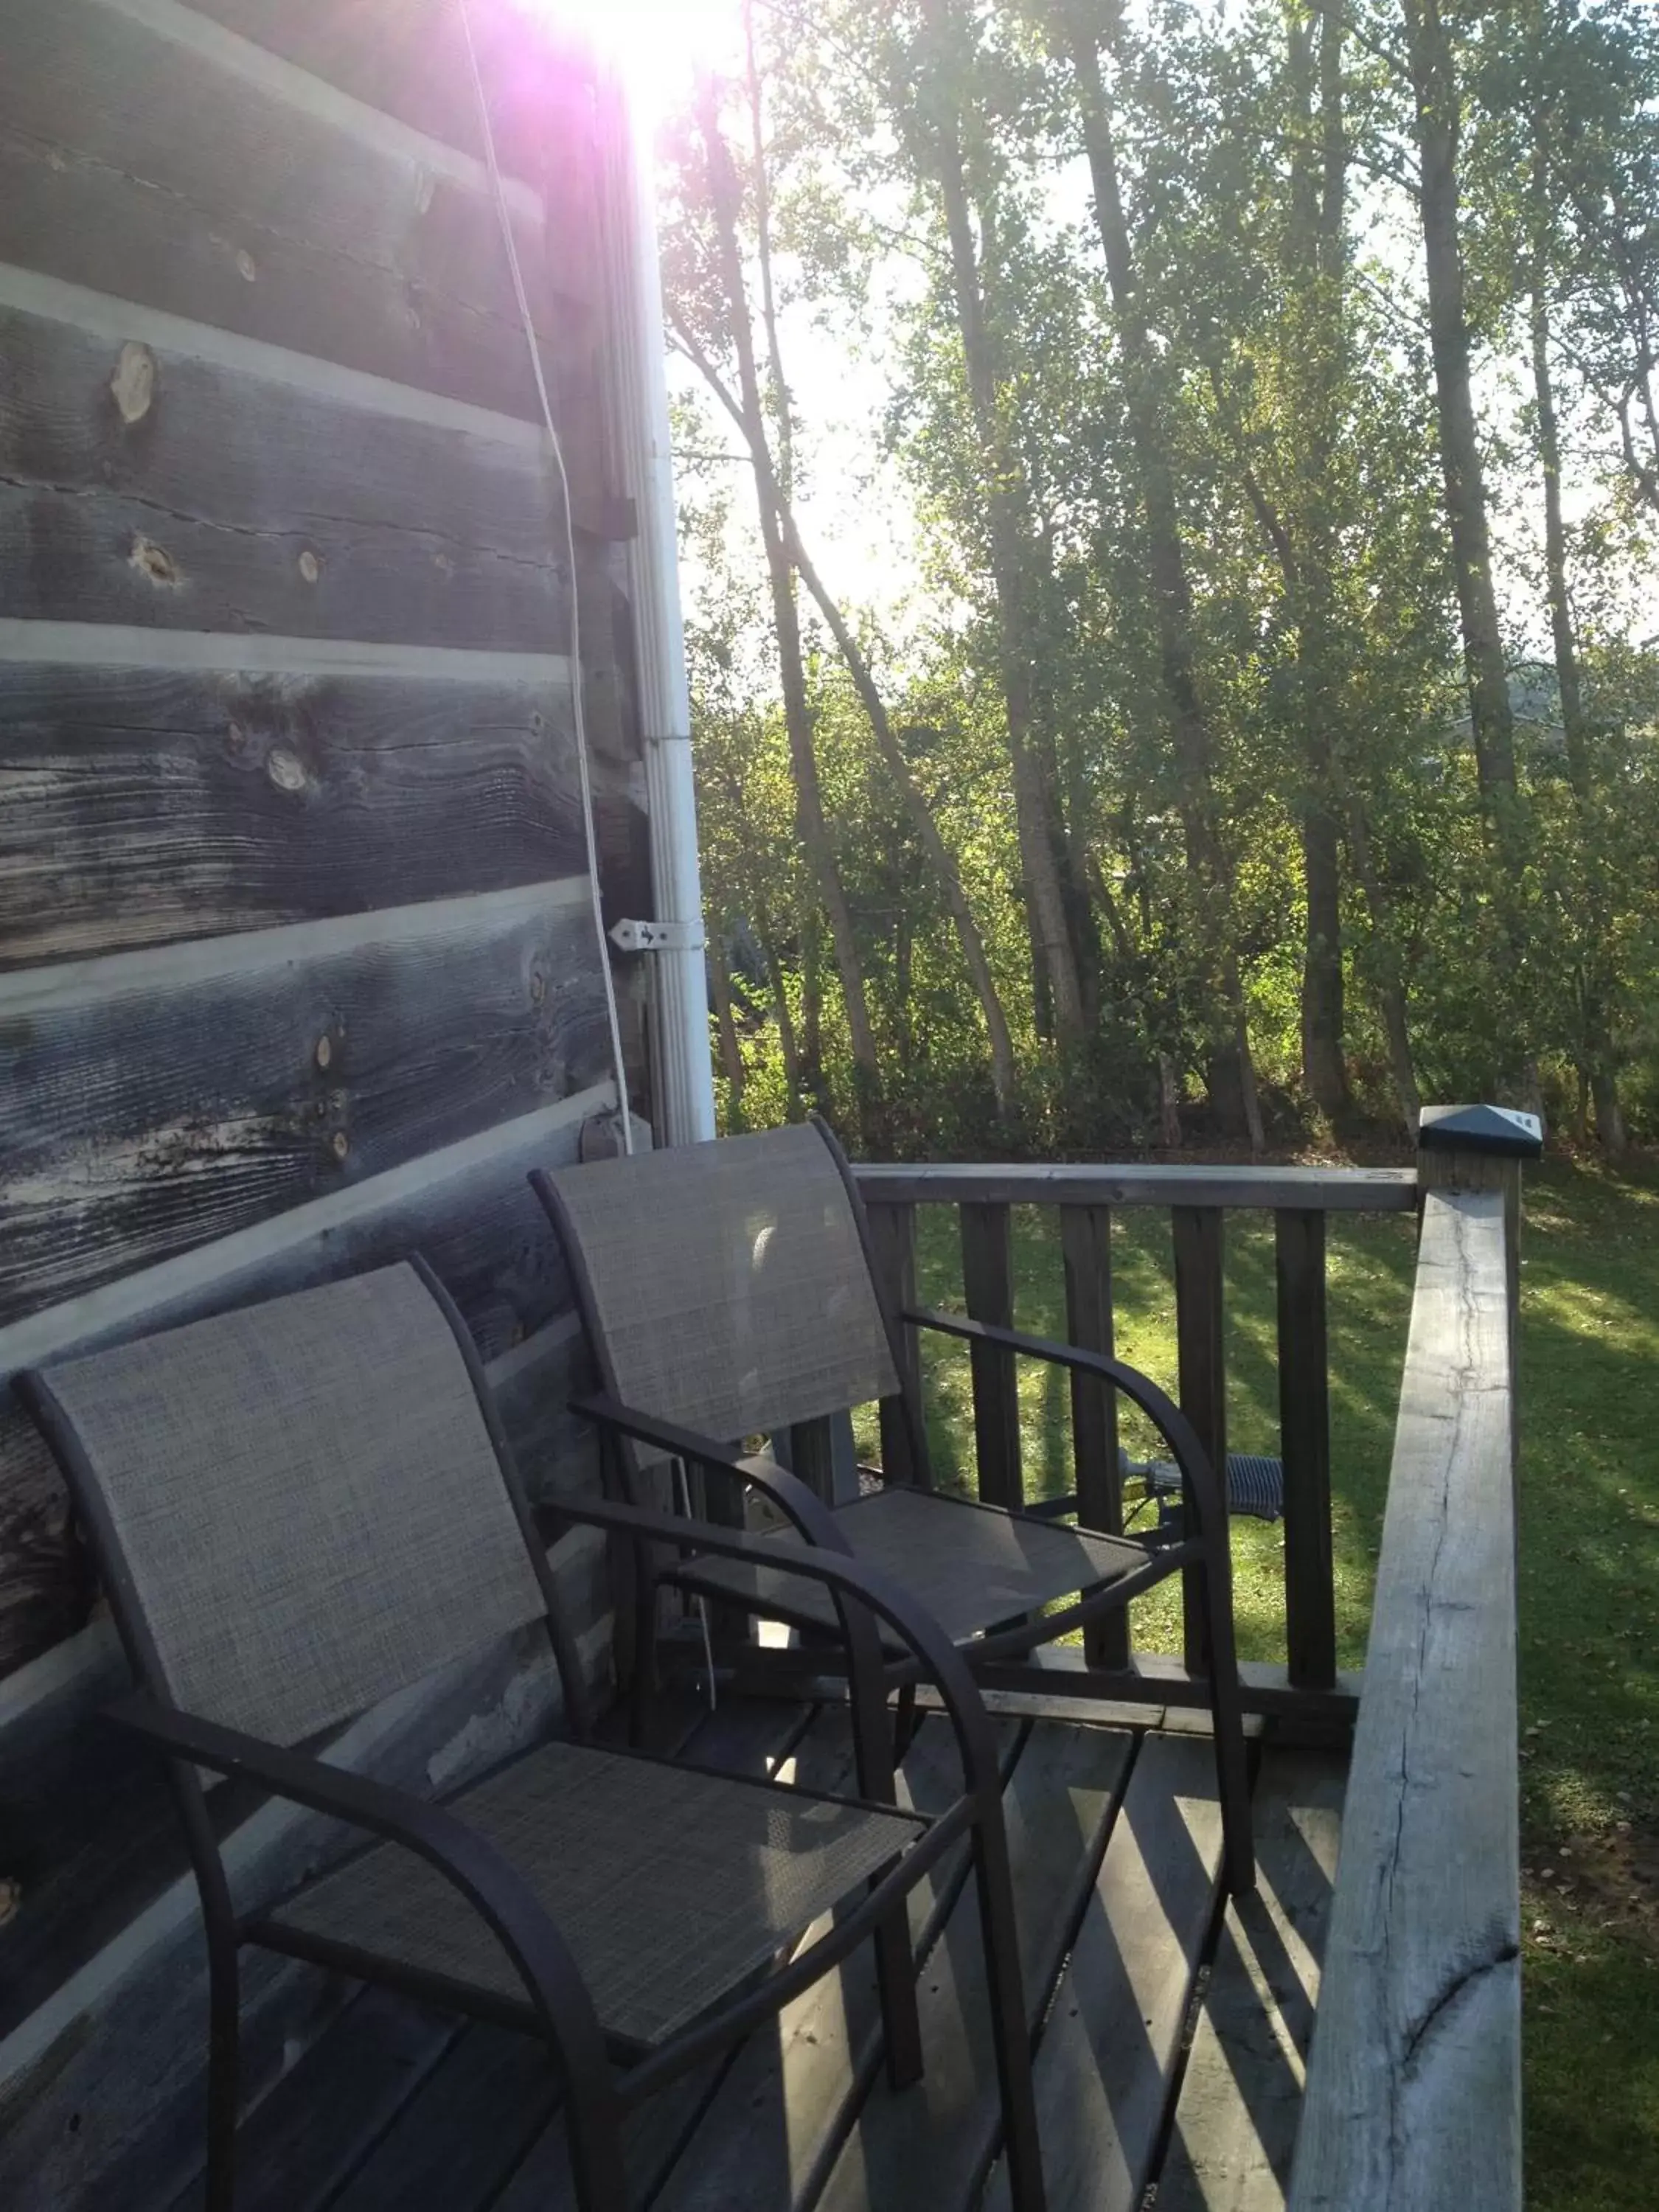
x: 504, y: 215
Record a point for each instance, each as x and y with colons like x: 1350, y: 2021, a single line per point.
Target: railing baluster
x: 1086, y: 1239
x: 812, y: 1457
x: 893, y: 1247
x: 988, y: 1282
x: 1198, y: 1313
x: 1304, y: 1431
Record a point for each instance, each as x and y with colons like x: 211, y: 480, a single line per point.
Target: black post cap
x: 1482, y: 1129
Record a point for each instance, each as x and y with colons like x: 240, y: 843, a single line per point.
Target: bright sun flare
x: 657, y: 43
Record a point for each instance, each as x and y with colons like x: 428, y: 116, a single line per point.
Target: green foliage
x: 1266, y: 163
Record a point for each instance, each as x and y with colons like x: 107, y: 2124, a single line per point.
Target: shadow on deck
x: 1171, y: 2034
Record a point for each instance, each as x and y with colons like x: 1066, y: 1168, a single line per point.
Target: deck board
x: 301, y: 2142
x: 1240, y: 2097
x: 793, y: 2091
x: 1115, y: 1837
x: 933, y: 2143
x: 1110, y: 2045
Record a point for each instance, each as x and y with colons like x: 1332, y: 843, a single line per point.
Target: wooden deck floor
x: 1170, y: 2034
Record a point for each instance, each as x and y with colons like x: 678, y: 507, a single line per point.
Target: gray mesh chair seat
x: 973, y: 1566
x: 306, y: 1507
x: 729, y: 1292
x: 671, y: 1886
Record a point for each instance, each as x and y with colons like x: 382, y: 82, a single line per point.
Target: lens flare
x: 657, y: 44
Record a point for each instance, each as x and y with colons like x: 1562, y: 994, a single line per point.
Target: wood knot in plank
x: 246, y: 268
x: 341, y: 1144
x: 11, y: 1899
x: 133, y: 381
x: 156, y: 562
x: 310, y: 566
x: 286, y: 769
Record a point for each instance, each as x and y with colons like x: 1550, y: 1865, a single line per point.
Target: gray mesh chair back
x: 304, y: 1499
x: 726, y: 1285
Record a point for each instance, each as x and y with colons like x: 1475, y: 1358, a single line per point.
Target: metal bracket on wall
x: 658, y: 936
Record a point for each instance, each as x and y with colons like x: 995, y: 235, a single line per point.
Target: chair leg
x: 224, y: 2069
x: 901, y: 2013
x: 1232, y: 1764
x: 1011, y: 2039
x: 643, y: 1702
x: 904, y: 1722
x: 593, y: 2128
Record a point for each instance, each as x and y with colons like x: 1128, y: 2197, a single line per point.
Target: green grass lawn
x: 1590, y: 1584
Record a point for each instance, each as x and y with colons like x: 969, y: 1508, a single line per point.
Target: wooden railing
x: 1414, y: 2094
x: 1198, y: 1200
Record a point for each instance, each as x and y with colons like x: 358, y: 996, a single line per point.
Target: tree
x: 1231, y: 1071
x: 724, y: 199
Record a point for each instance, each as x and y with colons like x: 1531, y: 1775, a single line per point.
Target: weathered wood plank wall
x: 298, y: 966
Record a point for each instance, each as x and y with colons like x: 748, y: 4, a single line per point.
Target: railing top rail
x: 1325, y: 1190
x: 1413, y: 2095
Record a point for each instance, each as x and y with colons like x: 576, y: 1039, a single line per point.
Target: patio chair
x: 301, y: 1507
x: 728, y: 1291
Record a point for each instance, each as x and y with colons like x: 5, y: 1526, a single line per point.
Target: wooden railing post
x: 893, y: 1248
x: 1414, y: 2094
x: 1086, y: 1239
x: 1199, y: 1313
x: 1305, y: 1444
x: 988, y: 1283
x: 1483, y: 1148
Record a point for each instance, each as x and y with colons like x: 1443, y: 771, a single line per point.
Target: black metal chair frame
x: 603, y: 2076
x: 1207, y: 1549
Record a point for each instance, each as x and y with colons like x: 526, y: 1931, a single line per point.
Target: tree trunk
x: 1229, y: 1072
x: 1324, y: 1068
x: 1168, y: 1104
x: 1054, y: 959
x: 1391, y: 989
x: 724, y: 196
x: 1434, y: 82
x: 1319, y: 249
x: 1609, y: 1115
x: 811, y: 1010
x: 719, y: 989
x: 1598, y: 1040
x: 779, y: 477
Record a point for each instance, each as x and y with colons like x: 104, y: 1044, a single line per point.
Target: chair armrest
x: 1158, y: 1407
x: 802, y: 1506
x: 473, y: 1866
x: 850, y: 1577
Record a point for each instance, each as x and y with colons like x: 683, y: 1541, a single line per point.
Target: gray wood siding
x: 298, y: 962
x: 148, y: 806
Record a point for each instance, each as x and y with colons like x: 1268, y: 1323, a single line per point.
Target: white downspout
x: 639, y: 418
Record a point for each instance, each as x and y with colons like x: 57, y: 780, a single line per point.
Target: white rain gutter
x: 638, y: 391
